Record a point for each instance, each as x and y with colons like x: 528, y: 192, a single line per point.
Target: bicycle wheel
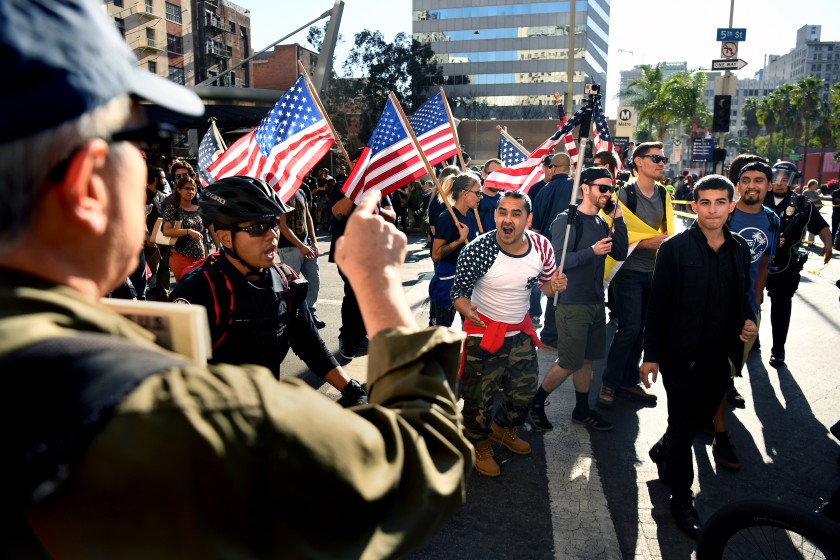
x: 766, y: 529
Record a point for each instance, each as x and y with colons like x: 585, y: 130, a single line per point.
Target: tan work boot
x: 485, y: 464
x: 509, y: 437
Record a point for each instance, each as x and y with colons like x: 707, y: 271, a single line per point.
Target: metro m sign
x: 625, y: 123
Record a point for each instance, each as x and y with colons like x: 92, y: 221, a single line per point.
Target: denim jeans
x: 536, y: 302
x: 632, y: 290
x: 308, y: 268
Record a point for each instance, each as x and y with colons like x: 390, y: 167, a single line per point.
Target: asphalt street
x: 583, y: 494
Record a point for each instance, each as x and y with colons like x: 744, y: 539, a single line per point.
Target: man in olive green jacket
x: 185, y: 461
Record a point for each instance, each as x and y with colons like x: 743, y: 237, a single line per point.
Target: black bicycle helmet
x: 233, y: 200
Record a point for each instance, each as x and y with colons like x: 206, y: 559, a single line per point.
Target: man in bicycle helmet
x: 256, y: 309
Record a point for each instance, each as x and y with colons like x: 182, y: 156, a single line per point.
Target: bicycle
x: 760, y: 528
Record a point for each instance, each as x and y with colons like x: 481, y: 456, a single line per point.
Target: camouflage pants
x: 514, y: 368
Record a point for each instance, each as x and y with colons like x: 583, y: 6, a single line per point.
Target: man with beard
x: 581, y: 318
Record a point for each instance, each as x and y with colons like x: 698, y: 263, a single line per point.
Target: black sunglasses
x: 260, y: 228
x: 656, y: 158
x: 603, y: 188
x: 148, y: 134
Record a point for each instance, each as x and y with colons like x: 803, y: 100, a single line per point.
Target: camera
x: 622, y: 177
x: 591, y: 89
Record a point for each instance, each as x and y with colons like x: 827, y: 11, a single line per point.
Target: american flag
x: 522, y: 175
x: 211, y: 147
x: 568, y: 139
x: 388, y: 161
x: 602, y: 140
x: 509, y: 152
x: 288, y: 142
x: 430, y: 124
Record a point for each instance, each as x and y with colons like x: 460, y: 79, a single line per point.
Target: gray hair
x: 25, y: 164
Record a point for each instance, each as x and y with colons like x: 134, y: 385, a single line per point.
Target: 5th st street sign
x: 728, y: 64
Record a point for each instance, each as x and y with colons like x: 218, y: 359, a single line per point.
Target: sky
x: 640, y: 32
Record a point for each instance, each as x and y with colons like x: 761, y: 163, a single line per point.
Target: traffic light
x: 721, y: 113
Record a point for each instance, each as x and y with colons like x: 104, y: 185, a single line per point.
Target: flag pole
x: 429, y: 170
x: 460, y: 155
x: 511, y: 139
x: 317, y: 101
x: 212, y: 121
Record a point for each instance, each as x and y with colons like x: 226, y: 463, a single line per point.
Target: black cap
x: 591, y: 174
x: 63, y: 58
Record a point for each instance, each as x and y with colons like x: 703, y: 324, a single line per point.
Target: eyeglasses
x: 180, y: 176
x: 604, y: 188
x: 656, y: 158
x: 478, y: 194
x: 260, y: 228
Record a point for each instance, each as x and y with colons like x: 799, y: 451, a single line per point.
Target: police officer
x: 796, y: 216
x: 256, y: 309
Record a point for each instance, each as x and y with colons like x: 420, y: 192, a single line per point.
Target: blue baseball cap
x: 63, y: 58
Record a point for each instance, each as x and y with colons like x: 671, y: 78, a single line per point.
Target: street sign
x: 677, y: 142
x: 794, y: 157
x: 728, y: 64
x: 625, y: 124
x: 731, y: 34
x: 729, y: 49
x: 702, y: 149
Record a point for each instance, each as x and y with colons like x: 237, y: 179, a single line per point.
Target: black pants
x: 694, y: 394
x: 352, y: 329
x: 780, y: 288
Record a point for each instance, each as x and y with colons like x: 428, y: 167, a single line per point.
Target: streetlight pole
x: 727, y: 77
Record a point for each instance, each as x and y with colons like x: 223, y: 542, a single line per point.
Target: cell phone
x: 609, y: 206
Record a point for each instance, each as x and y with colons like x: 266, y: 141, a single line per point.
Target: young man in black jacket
x: 700, y: 288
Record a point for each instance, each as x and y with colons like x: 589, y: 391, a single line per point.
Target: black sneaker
x: 346, y: 350
x: 724, y: 452
x: 733, y: 396
x: 538, y: 418
x: 318, y: 322
x: 592, y: 420
x: 777, y: 361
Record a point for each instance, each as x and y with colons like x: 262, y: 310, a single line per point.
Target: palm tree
x: 642, y: 92
x: 807, y: 99
x: 684, y: 92
x: 766, y: 113
x: 784, y: 113
x: 749, y: 111
x: 824, y: 133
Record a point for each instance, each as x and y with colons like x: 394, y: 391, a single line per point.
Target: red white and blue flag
x: 602, y: 140
x: 522, y: 175
x: 510, y: 153
x: 569, y: 138
x: 390, y: 159
x: 430, y: 124
x: 288, y: 142
x: 211, y: 147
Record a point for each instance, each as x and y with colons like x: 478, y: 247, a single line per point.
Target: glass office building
x: 506, y: 58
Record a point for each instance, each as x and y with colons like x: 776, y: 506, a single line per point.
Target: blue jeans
x: 308, y: 268
x: 632, y: 290
x: 536, y: 302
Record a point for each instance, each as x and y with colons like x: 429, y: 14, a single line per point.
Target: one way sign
x: 728, y: 64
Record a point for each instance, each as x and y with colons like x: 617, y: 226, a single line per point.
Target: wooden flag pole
x: 511, y: 139
x: 460, y: 154
x: 429, y: 169
x: 317, y: 101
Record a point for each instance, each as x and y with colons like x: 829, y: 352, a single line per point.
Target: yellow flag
x: 637, y: 230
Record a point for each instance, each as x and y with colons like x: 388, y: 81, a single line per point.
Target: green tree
x: 767, y: 114
x: 682, y: 98
x: 824, y: 131
x: 807, y: 99
x: 642, y: 93
x: 784, y: 113
x: 749, y: 111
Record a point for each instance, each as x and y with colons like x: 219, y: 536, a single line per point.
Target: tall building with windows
x: 810, y: 57
x: 506, y: 58
x: 222, y: 40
